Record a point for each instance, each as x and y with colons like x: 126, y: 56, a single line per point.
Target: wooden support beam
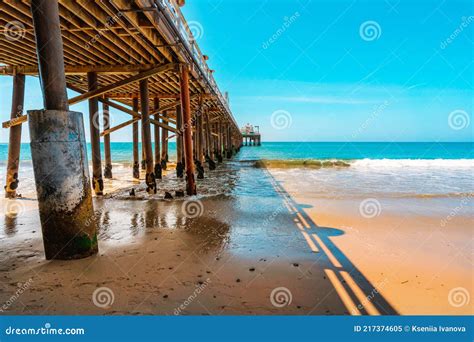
x: 209, y: 151
x: 165, y: 126
x: 165, y: 118
x: 107, y: 101
x: 80, y: 69
x: 172, y: 105
x: 187, y: 127
x: 164, y: 146
x: 135, y: 119
x: 15, y: 121
x: 121, y: 83
x: 179, y: 144
x: 94, y: 124
x: 107, y: 152
x: 14, y: 142
x: 136, y: 166
x: 131, y: 95
x: 156, y: 130
x: 146, y: 136
x: 50, y: 54
x: 119, y: 126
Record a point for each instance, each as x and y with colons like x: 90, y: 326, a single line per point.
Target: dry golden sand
x: 155, y: 258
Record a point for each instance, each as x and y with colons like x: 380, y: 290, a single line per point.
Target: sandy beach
x: 260, y: 245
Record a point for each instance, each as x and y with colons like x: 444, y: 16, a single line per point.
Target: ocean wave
x: 463, y: 196
x: 364, y: 163
x: 411, y: 163
x: 297, y: 163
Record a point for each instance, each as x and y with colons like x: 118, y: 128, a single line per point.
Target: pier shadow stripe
x: 357, y: 284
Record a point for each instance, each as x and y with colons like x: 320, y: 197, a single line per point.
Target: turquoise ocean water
x: 395, y: 170
x: 122, y: 152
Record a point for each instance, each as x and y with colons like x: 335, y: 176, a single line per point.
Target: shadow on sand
x: 357, y: 293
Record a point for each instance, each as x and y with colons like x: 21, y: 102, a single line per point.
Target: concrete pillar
x: 58, y: 150
x: 136, y: 166
x: 146, y: 142
x: 156, y: 130
x: 14, y: 142
x: 187, y: 131
x: 107, y: 153
x: 94, y: 124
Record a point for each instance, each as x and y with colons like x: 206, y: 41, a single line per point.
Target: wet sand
x: 252, y: 247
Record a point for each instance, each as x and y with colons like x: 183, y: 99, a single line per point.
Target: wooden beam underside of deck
x: 119, y: 40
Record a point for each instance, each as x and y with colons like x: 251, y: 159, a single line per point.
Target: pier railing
x: 172, y: 11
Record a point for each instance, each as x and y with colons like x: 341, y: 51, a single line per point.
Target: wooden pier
x: 138, y: 57
x: 251, y: 136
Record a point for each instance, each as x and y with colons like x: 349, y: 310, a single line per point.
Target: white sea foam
x: 414, y: 163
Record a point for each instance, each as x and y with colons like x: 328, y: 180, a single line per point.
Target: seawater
x: 376, y: 169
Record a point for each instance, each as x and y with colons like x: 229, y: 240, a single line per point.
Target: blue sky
x: 308, y: 71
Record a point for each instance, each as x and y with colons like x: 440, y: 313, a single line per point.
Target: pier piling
x: 187, y: 131
x: 179, y: 144
x: 97, y: 181
x: 146, y: 142
x: 58, y: 149
x: 164, y: 144
x: 156, y: 130
x: 209, y: 144
x: 14, y: 142
x: 136, y: 166
x: 199, y: 143
x: 219, y: 142
x: 107, y: 153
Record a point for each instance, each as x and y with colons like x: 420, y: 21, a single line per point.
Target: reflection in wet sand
x: 247, y: 240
